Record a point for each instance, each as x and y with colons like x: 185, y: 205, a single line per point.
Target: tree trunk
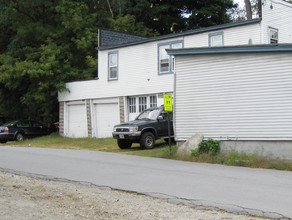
x: 248, y: 9
x: 110, y: 8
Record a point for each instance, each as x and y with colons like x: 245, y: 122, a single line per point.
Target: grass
x: 161, y: 150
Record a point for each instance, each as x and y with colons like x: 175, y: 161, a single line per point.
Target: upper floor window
x: 166, y: 63
x: 216, y: 39
x: 113, y: 65
x: 273, y: 35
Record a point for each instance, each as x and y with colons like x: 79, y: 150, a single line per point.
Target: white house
x: 135, y: 72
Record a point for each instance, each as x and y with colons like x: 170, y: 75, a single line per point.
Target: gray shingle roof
x: 108, y: 38
x: 137, y: 41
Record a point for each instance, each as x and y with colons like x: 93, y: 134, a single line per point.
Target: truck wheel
x: 124, y: 144
x: 19, y: 137
x: 147, y: 140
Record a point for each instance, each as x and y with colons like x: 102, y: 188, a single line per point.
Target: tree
x: 46, y: 43
x: 248, y: 9
x: 170, y: 16
x: 209, y: 12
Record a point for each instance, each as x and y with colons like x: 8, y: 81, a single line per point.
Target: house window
x: 153, y: 101
x: 166, y: 62
x: 113, y: 66
x: 216, y: 39
x: 132, y: 105
x: 142, y: 103
x: 273, y: 35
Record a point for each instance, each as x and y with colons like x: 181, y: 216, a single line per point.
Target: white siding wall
x: 277, y: 14
x: 138, y: 74
x: 232, y: 36
x: 234, y: 97
x: 138, y: 70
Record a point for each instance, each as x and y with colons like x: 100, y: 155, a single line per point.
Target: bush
x: 209, y: 146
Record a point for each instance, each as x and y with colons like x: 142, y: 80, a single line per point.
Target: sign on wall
x: 167, y: 102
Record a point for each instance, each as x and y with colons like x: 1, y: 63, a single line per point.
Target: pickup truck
x: 149, y: 126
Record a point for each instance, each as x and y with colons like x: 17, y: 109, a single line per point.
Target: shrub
x: 209, y: 146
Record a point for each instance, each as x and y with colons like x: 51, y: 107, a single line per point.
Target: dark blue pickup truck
x: 149, y: 126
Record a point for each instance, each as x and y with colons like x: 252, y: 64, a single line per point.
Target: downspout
x: 98, y: 45
x: 260, y: 8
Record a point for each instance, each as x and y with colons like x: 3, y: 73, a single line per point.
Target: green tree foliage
x: 43, y: 45
x: 170, y: 16
x: 46, y: 43
x: 209, y: 12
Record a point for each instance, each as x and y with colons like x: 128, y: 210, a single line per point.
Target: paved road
x: 256, y: 191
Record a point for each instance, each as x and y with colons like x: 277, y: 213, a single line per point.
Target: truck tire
x: 147, y: 140
x: 124, y: 144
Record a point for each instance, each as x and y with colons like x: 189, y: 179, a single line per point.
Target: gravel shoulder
x: 23, y: 197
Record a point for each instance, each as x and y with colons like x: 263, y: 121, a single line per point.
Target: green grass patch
x: 234, y: 158
x: 162, y: 150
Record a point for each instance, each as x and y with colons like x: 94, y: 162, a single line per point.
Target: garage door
x: 107, y: 115
x: 77, y: 126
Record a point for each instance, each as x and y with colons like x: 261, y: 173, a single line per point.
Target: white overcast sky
x: 241, y: 2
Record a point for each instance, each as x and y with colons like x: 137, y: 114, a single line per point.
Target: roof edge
x: 259, y: 48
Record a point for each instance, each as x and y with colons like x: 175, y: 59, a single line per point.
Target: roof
x: 181, y: 34
x: 108, y: 38
x: 261, y: 48
x: 288, y: 1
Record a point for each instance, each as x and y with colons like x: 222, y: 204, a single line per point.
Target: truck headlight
x: 133, y: 129
x: 115, y: 129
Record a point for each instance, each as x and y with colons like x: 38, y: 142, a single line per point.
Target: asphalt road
x: 255, y: 191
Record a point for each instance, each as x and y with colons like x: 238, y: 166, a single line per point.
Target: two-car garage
x: 91, y: 118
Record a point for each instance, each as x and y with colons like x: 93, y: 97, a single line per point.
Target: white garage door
x: 107, y: 115
x: 77, y: 126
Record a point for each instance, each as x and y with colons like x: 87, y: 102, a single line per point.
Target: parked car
x: 149, y: 126
x: 20, y: 129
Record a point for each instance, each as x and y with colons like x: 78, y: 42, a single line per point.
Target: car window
x: 22, y: 124
x: 35, y: 124
x: 149, y: 114
x: 10, y: 123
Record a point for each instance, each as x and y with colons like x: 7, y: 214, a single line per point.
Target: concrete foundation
x: 270, y: 149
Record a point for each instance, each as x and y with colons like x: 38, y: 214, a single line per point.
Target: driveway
x: 255, y: 191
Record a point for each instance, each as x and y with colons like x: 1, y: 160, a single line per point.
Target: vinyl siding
x: 279, y: 17
x: 138, y: 74
x: 232, y: 36
x: 234, y: 97
x: 138, y: 67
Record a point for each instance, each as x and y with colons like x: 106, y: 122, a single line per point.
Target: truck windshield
x: 151, y: 114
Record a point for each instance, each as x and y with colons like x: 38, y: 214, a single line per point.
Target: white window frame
x: 162, y: 55
x: 132, y: 104
x: 216, y: 39
x: 153, y: 101
x: 273, y: 35
x: 142, y: 103
x: 113, y: 64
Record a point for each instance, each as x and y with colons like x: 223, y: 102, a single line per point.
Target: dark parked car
x: 149, y: 126
x: 18, y: 130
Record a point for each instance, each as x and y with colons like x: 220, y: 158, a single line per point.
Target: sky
x: 240, y: 2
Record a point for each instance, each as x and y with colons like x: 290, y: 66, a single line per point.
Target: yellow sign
x: 168, y: 102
